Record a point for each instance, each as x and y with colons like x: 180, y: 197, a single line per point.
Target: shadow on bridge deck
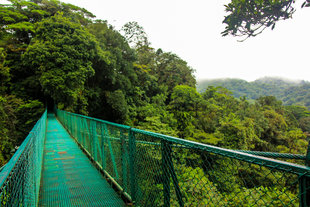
x: 68, y: 176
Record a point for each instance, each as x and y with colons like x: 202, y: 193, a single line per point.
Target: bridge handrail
x: 258, y: 153
x: 244, y: 156
x: 25, y: 169
x: 276, y: 155
x: 121, y: 151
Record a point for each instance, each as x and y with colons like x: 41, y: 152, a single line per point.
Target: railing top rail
x: 240, y: 155
x: 258, y: 153
x: 263, y: 161
x: 275, y: 154
x: 7, y: 169
x: 5, y: 172
x: 210, y: 174
x: 99, y: 120
x: 1, y: 168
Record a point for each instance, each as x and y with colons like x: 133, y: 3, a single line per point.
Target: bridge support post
x: 132, y: 160
x: 124, y: 160
x: 94, y: 139
x: 168, y: 171
x: 304, y: 184
x: 103, y: 141
x: 165, y: 151
x: 308, y: 155
x: 304, y: 190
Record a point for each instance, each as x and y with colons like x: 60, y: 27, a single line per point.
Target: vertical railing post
x: 87, y: 139
x: 304, y: 190
x: 94, y: 139
x: 78, y: 130
x: 124, y: 159
x: 132, y: 163
x: 165, y: 172
x: 308, y: 155
x: 70, y: 124
x: 74, y: 127
x: 169, y: 172
x: 81, y: 132
x: 103, y: 137
x: 304, y: 184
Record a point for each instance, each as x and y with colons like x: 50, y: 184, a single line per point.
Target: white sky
x: 191, y: 29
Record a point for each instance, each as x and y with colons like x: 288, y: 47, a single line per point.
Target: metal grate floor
x: 68, y: 176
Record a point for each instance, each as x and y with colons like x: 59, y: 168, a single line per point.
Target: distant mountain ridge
x: 291, y: 92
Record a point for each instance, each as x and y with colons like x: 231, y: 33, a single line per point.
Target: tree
x: 184, y: 105
x: 61, y: 54
x: 296, y: 141
x: 171, y: 70
x: 7, y: 126
x: 270, y: 102
x: 117, y: 78
x: 238, y: 134
x: 135, y: 35
x: 4, y: 72
x: 305, y: 125
x: 248, y: 18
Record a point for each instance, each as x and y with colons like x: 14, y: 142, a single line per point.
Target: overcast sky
x: 191, y: 29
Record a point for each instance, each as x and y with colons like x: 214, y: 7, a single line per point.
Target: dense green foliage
x: 56, y: 53
x: 289, y: 92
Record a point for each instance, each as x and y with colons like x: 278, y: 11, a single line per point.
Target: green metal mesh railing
x: 158, y: 170
x: 107, y: 143
x: 20, y: 178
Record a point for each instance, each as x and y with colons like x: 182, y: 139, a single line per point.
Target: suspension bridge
x: 73, y: 160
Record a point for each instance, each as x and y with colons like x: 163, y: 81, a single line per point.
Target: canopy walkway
x: 74, y: 160
x: 68, y: 176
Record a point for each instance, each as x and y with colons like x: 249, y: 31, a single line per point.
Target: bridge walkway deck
x: 68, y: 176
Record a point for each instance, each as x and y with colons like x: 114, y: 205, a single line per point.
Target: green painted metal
x: 307, y: 162
x: 304, y: 189
x: 124, y: 158
x: 112, y: 155
x: 285, y: 166
x: 1, y: 168
x: 173, y: 174
x: 195, y: 174
x: 20, y: 178
x: 275, y: 155
x: 109, y: 156
x: 165, y: 170
x: 68, y: 176
x: 94, y: 139
x: 149, y: 168
x: 168, y: 169
x: 132, y: 166
x: 103, y: 157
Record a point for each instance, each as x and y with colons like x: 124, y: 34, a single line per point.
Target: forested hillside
x: 57, y: 53
x: 52, y: 52
x: 289, y: 92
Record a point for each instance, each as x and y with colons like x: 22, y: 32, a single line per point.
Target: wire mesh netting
x: 201, y: 175
x: 158, y: 170
x: 105, y: 142
x: 68, y: 176
x: 20, y: 178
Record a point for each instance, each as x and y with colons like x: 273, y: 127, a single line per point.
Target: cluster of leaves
x: 248, y: 18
